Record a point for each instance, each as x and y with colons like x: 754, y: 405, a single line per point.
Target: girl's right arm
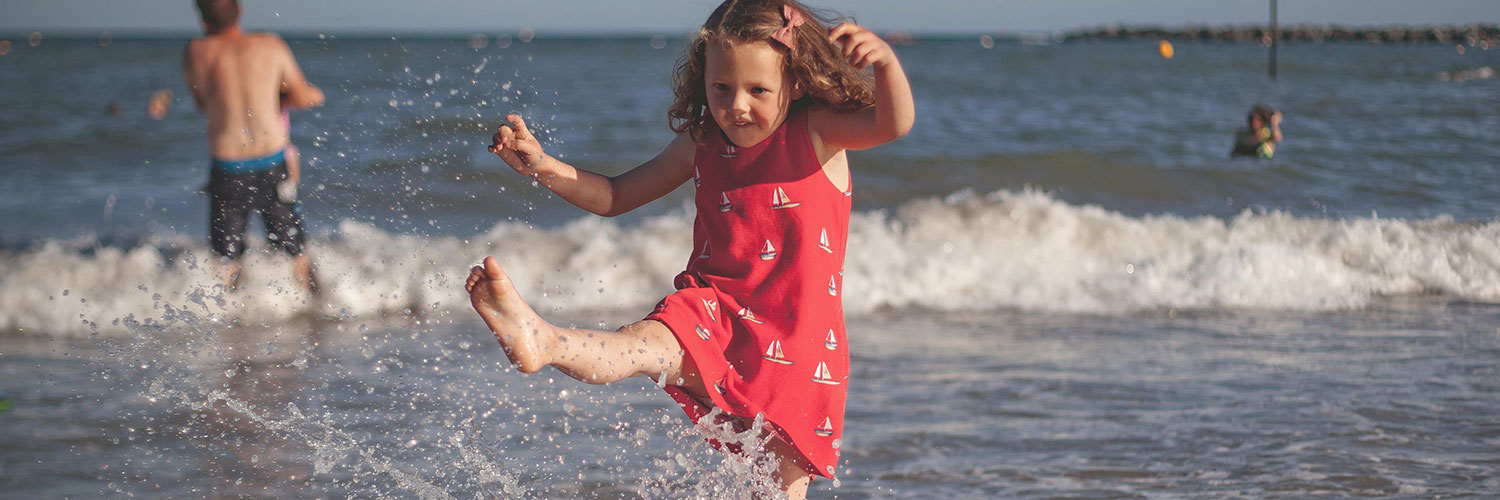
x: 600, y: 194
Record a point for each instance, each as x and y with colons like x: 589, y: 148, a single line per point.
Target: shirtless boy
x: 241, y: 81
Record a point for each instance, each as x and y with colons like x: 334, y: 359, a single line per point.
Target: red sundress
x: 759, y: 308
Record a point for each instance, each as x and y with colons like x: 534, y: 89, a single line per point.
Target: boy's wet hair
x: 1261, y: 111
x: 816, y: 65
x: 219, y: 14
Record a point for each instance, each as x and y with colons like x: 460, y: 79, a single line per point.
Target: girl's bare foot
x: 527, y: 339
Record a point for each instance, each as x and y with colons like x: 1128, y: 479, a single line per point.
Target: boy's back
x: 237, y: 80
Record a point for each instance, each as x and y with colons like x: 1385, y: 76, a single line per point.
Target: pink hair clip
x: 786, y: 34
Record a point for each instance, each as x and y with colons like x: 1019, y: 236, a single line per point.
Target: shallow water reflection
x: 1391, y: 401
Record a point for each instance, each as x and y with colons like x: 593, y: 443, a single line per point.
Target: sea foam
x: 1021, y: 250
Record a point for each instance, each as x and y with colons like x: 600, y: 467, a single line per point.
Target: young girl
x: 767, y: 102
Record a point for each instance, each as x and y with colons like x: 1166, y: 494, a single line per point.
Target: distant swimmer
x: 242, y: 82
x: 160, y: 104
x: 1259, y: 138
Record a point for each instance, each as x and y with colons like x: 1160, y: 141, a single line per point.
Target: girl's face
x: 747, y: 92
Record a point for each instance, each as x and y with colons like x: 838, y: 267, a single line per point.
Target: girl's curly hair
x: 816, y: 65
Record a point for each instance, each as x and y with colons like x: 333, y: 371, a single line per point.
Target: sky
x: 678, y: 16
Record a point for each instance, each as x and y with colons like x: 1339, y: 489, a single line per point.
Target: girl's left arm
x: 894, y: 111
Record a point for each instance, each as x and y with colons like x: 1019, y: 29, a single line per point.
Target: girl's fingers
x: 877, y: 54
x: 507, y: 136
x: 839, y: 31
x: 861, y: 55
x: 520, y: 124
x: 858, y: 57
x: 850, y: 48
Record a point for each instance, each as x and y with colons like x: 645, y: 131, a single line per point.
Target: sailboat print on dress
x: 826, y: 429
x: 830, y: 342
x: 705, y: 253
x: 823, y: 376
x: 729, y: 152
x: 774, y: 355
x: 823, y: 241
x: 712, y: 306
x: 833, y: 287
x: 769, y: 252
x: 780, y: 200
x: 725, y: 206
x: 746, y: 315
x: 702, y: 332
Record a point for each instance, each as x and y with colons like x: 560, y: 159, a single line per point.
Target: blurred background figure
x: 242, y: 82
x: 1259, y: 137
x: 160, y: 104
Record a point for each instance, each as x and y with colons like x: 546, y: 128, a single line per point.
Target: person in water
x: 768, y: 101
x: 242, y: 82
x: 1262, y: 133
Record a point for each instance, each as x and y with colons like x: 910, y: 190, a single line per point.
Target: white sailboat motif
x: 830, y: 342
x: 826, y: 429
x: 823, y: 376
x: 705, y: 253
x: 702, y: 332
x: 712, y: 306
x: 823, y: 241
x: 774, y: 355
x: 725, y: 206
x: 780, y: 200
x: 746, y: 315
x: 833, y: 287
x: 769, y: 252
x: 729, y: 152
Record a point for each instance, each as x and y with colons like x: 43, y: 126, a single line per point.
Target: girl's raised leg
x: 594, y: 356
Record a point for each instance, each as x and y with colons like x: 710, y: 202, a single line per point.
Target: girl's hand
x: 861, y: 46
x: 515, y: 144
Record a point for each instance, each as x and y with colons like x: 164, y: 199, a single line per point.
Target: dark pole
x: 1275, y: 37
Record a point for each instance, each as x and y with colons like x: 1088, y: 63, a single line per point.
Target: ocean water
x: 1059, y: 285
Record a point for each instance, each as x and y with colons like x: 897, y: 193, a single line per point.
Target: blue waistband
x: 252, y: 165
